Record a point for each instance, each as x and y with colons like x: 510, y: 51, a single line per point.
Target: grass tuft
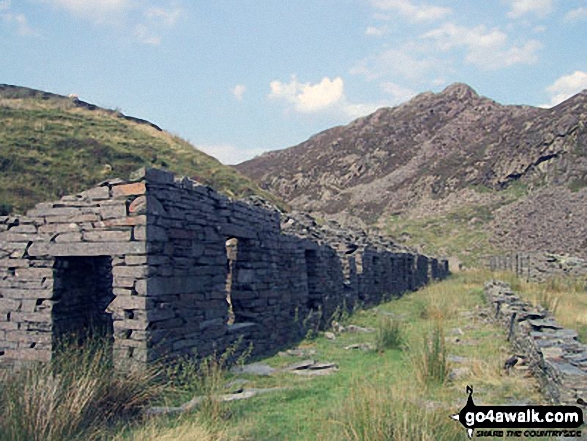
x: 382, y: 412
x: 389, y: 334
x: 428, y: 356
x: 79, y: 393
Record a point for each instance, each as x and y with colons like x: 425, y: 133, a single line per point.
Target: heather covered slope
x: 52, y: 145
x: 453, y: 172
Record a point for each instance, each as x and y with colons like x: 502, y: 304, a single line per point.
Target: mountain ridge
x: 397, y: 160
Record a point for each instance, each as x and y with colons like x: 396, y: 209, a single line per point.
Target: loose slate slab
x: 260, y: 369
x: 539, y: 324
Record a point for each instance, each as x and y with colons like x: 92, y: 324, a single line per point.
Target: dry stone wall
x: 539, y: 266
x: 556, y: 358
x: 167, y: 267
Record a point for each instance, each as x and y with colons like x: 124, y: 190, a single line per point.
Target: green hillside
x: 52, y: 145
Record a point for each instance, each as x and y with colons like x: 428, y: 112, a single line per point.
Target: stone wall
x: 167, y: 267
x: 539, y: 266
x: 556, y: 358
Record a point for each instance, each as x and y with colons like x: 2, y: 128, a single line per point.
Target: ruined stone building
x: 167, y: 267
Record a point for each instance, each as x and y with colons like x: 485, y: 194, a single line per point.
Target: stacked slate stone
x: 166, y: 267
x: 556, y: 358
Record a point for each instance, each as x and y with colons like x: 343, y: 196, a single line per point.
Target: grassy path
x: 404, y: 393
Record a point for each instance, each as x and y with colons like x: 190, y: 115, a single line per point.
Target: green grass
x: 49, y: 148
x: 566, y: 298
x: 389, y: 334
x: 77, y: 395
x: 405, y: 392
x: 463, y: 232
x: 385, y: 395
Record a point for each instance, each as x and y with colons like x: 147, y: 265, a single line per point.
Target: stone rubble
x: 553, y: 354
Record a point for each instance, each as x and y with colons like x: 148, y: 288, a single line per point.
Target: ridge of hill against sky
x: 237, y: 78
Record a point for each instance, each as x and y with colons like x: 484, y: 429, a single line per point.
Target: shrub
x: 428, y: 357
x: 75, y: 395
x: 377, y: 411
x: 206, y: 378
x: 5, y: 209
x: 389, y: 334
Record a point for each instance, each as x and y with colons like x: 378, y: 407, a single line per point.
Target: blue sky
x: 239, y: 77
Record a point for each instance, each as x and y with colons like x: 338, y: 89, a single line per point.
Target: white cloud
x: 375, y: 31
x: 308, y: 98
x: 144, y: 35
x: 399, y: 93
x: 96, y: 10
x: 565, y: 87
x: 16, y: 20
x: 167, y: 17
x: 146, y: 22
x: 238, y: 91
x: 156, y: 20
x: 485, y: 48
x: 326, y: 96
x: 411, y: 11
x: 356, y: 110
x: 578, y: 14
x: 522, y: 7
x: 405, y: 63
x: 228, y: 153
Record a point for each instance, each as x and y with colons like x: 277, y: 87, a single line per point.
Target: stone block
x: 123, y: 282
x: 134, y: 272
x: 68, y: 237
x: 107, y: 236
x: 32, y: 354
x: 40, y: 249
x: 28, y: 336
x: 123, y: 221
x: 33, y: 273
x: 135, y: 260
x: 96, y: 193
x: 23, y: 228
x: 126, y: 324
x: 8, y: 305
x: 31, y: 317
x: 128, y: 302
x: 112, y: 211
x: 137, y: 188
x: 20, y: 237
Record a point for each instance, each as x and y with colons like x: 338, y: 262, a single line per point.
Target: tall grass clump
x: 428, y: 356
x: 440, y: 301
x: 389, y: 334
x: 205, y: 378
x: 182, y: 429
x: 381, y: 411
x: 75, y: 396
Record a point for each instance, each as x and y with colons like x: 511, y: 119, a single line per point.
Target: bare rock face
x: 437, y: 148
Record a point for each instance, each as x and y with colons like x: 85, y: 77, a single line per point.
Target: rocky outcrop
x: 440, y: 148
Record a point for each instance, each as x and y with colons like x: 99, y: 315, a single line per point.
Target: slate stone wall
x: 556, y: 358
x: 158, y: 279
x: 539, y: 267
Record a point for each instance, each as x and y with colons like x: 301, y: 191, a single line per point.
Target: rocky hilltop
x: 453, y: 164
